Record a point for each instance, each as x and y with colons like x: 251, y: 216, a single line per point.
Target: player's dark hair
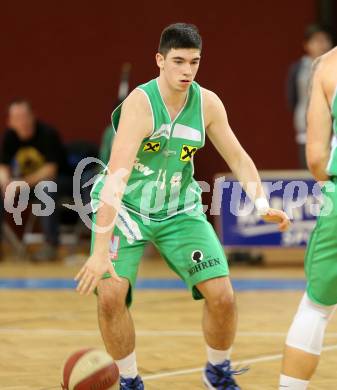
x: 179, y: 36
x: 313, y: 29
x: 20, y: 100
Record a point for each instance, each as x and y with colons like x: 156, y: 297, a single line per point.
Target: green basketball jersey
x: 332, y: 164
x: 161, y: 183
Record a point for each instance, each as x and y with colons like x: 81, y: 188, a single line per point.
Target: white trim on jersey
x: 160, y: 219
x: 334, y: 97
x: 128, y: 226
x: 202, y: 116
x: 332, y: 153
x: 168, y: 113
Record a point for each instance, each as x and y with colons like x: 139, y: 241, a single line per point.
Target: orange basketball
x: 90, y: 369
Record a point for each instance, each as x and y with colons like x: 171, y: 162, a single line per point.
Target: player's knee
x: 112, y: 299
x: 110, y: 306
x: 308, y: 328
x: 222, y: 301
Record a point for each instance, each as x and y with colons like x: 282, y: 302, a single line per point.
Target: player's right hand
x: 279, y: 217
x: 92, y: 272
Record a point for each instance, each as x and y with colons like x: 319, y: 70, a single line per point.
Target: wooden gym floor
x: 39, y: 328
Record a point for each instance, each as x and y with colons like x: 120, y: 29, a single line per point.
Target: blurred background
x: 66, y: 57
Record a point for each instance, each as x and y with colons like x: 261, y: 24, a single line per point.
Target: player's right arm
x: 319, y: 122
x: 134, y: 125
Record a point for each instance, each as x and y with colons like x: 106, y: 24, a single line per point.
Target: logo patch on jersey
x: 138, y: 166
x: 163, y: 131
x: 187, y: 152
x: 176, y: 180
x: 151, y: 147
x: 113, y: 247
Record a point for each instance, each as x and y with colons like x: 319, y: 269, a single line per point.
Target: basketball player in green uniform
x: 306, y: 334
x: 159, y: 128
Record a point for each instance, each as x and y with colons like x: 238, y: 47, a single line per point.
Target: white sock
x: 128, y: 366
x: 287, y: 382
x: 216, y: 356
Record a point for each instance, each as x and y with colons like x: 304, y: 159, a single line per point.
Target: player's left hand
x: 277, y: 216
x: 92, y: 271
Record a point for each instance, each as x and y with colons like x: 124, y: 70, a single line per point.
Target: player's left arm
x: 242, y: 166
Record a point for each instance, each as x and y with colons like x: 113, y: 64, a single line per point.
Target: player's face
x: 179, y: 67
x: 21, y: 119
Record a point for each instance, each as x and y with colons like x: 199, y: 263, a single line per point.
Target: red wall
x: 66, y: 57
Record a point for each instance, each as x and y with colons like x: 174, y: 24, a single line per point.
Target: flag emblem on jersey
x: 113, y: 247
x: 151, y: 147
x: 187, y: 152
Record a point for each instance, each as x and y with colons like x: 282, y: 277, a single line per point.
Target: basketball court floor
x: 42, y: 320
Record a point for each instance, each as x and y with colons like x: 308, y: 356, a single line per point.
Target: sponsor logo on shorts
x: 187, y: 152
x: 151, y: 147
x: 202, y: 264
x: 113, y: 247
x: 197, y: 256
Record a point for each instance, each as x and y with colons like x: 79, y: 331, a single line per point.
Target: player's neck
x: 171, y: 97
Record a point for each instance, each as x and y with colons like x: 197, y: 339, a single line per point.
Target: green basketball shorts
x: 321, y: 255
x: 188, y: 244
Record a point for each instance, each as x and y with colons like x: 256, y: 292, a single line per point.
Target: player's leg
x: 117, y: 329
x: 114, y: 318
x: 219, y: 315
x: 113, y: 299
x: 306, y: 334
x: 191, y: 248
x: 304, y: 344
x: 219, y: 328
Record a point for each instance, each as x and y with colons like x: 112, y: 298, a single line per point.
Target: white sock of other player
x: 287, y: 382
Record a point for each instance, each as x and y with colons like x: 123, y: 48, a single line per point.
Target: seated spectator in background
x: 32, y: 151
x: 317, y: 41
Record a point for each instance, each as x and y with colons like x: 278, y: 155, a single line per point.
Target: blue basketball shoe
x: 131, y: 383
x: 220, y: 376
